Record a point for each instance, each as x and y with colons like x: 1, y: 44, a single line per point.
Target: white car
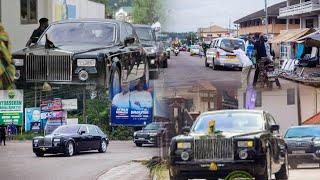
x: 194, y: 50
x: 220, y: 53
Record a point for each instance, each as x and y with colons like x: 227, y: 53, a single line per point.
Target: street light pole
x: 266, y: 19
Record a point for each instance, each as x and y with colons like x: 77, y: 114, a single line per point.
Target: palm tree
x: 7, y: 68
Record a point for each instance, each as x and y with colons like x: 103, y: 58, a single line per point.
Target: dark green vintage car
x: 221, y: 142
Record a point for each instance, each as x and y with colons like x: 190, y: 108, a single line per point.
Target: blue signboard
x: 32, y: 119
x: 132, y: 108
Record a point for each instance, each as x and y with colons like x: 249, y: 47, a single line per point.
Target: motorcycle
x: 176, y: 51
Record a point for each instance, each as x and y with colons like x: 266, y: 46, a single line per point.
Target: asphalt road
x: 17, y: 162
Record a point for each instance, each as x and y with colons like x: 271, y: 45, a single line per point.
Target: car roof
x: 230, y: 38
x: 88, y: 20
x: 142, y: 25
x: 237, y: 110
x: 303, y: 126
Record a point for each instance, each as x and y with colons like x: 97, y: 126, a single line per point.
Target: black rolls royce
x: 87, y: 51
x: 303, y: 145
x: 71, y: 139
x: 221, y: 142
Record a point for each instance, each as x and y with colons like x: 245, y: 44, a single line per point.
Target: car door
x: 136, y: 62
x: 275, y: 144
x: 95, y: 140
x: 84, y: 138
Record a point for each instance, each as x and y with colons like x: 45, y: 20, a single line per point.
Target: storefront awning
x: 313, y: 36
x: 292, y: 35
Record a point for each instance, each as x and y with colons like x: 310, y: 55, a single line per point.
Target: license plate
x: 213, y: 167
x: 232, y: 61
x: 299, y: 152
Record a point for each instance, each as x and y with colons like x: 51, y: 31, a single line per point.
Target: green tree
x: 7, y: 68
x: 146, y: 11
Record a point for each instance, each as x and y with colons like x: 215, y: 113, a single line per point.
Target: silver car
x: 220, y: 53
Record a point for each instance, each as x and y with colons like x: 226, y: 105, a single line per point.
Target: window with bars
x: 28, y: 11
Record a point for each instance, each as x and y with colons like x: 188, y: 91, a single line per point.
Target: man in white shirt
x: 246, y: 67
x: 122, y: 99
x: 140, y: 98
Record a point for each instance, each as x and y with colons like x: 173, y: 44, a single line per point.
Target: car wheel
x: 69, y: 151
x: 39, y: 154
x: 103, y: 146
x: 139, y: 144
x: 115, y: 85
x: 284, y: 171
x: 267, y: 173
x: 205, y: 62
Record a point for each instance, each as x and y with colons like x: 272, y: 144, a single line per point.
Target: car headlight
x: 35, y: 141
x: 245, y: 144
x: 56, y: 140
x: 153, y: 134
x: 150, y: 49
x: 135, y: 133
x: 316, y: 142
x: 86, y: 62
x: 18, y: 62
x: 243, y: 154
x: 185, y: 156
x: 183, y: 145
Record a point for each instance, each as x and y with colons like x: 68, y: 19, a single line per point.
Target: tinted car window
x: 231, y: 44
x: 231, y: 121
x: 92, y: 130
x: 99, y: 130
x: 152, y: 126
x: 84, y: 128
x: 145, y: 33
x: 303, y: 132
x: 66, y: 33
x: 70, y: 129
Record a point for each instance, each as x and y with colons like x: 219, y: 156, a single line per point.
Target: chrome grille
x: 47, y: 142
x: 216, y: 149
x: 48, y: 68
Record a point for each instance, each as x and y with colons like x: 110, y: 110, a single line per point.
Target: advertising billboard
x: 132, y: 107
x: 11, y: 107
x: 32, y: 119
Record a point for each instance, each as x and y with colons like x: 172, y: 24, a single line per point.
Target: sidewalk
x: 132, y: 170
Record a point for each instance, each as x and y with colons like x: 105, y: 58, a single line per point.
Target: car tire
x: 139, y: 144
x: 69, y: 149
x: 206, y: 62
x: 103, y: 146
x: 39, y: 154
x: 284, y: 170
x: 115, y: 82
x: 267, y: 173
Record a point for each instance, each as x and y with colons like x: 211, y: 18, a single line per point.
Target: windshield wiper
x: 307, y: 136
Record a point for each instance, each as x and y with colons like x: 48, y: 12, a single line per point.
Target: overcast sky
x: 188, y: 15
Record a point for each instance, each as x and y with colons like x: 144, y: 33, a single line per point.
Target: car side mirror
x: 274, y: 128
x: 129, y: 40
x: 186, y: 130
x: 82, y: 132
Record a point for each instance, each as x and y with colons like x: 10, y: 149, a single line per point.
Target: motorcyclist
x: 176, y: 43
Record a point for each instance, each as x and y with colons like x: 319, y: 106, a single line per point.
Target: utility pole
x: 84, y: 115
x: 266, y: 19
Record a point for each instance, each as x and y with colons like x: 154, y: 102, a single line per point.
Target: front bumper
x: 227, y: 64
x: 201, y: 169
x: 304, y: 158
x: 148, y: 140
x: 49, y: 150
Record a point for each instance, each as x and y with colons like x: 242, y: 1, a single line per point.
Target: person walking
x: 3, y: 135
x: 260, y: 48
x: 246, y: 67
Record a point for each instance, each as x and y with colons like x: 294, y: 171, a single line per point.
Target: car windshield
x: 145, y: 33
x: 231, y: 44
x: 69, y: 129
x: 300, y: 132
x: 230, y: 121
x: 152, y: 126
x: 80, y: 33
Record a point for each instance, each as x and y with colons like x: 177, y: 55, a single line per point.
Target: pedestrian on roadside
x: 44, y: 23
x: 3, y: 135
x: 246, y: 67
x: 260, y: 48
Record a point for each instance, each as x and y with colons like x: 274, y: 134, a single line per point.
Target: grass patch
x: 25, y: 136
x: 157, y: 167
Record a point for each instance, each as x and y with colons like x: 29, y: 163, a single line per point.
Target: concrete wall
x: 272, y: 28
x: 20, y: 33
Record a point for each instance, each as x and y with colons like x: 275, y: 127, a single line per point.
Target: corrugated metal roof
x: 292, y: 35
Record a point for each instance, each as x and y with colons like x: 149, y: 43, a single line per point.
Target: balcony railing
x: 297, y: 9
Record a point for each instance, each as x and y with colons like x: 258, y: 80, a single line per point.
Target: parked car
x: 153, y: 48
x: 167, y: 47
x: 220, y: 142
x: 87, y: 51
x: 149, y: 134
x: 303, y: 144
x: 220, y: 53
x: 194, y: 50
x: 71, y: 139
